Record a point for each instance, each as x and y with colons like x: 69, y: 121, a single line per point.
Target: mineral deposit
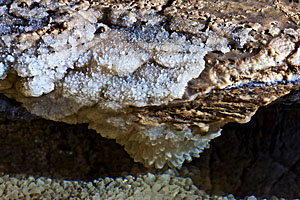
x: 165, y: 186
x: 160, y: 77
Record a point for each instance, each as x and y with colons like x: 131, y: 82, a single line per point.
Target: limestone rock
x: 166, y: 186
x: 259, y: 158
x: 160, y: 77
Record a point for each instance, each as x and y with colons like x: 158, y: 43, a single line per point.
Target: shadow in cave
x: 32, y: 146
x: 58, y: 150
x: 260, y: 158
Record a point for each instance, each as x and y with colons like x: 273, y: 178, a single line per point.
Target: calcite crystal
x: 160, y: 77
x: 165, y: 186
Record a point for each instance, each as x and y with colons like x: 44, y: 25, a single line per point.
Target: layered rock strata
x: 160, y: 77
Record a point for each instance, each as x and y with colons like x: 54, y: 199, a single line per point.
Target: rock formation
x: 160, y: 77
x: 259, y: 158
x: 165, y: 186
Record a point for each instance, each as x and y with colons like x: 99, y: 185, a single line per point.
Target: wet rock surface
x: 262, y: 158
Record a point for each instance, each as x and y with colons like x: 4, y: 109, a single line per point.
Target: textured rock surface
x: 165, y: 186
x: 163, y: 75
x: 259, y: 158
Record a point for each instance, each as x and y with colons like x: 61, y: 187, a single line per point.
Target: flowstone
x: 160, y: 77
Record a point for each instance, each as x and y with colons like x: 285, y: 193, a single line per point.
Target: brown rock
x: 160, y: 77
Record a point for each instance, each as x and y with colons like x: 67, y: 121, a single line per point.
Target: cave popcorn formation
x: 160, y: 79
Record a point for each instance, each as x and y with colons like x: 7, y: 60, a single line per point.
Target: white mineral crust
x: 88, y: 70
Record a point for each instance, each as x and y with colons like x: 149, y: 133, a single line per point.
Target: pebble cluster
x: 149, y: 186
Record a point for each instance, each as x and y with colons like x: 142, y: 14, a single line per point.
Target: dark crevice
x: 106, y: 17
x: 242, y: 161
x: 168, y: 4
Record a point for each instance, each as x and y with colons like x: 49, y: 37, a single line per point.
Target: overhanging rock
x: 160, y: 77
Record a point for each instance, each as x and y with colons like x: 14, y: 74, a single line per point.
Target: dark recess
x: 260, y: 158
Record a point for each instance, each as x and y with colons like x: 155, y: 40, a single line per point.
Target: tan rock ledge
x: 160, y: 77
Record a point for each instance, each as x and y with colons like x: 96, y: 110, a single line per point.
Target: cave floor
x: 260, y: 158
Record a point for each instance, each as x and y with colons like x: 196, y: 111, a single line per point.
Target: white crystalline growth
x: 2, y: 70
x: 43, y: 67
x: 120, y: 72
x: 80, y: 76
